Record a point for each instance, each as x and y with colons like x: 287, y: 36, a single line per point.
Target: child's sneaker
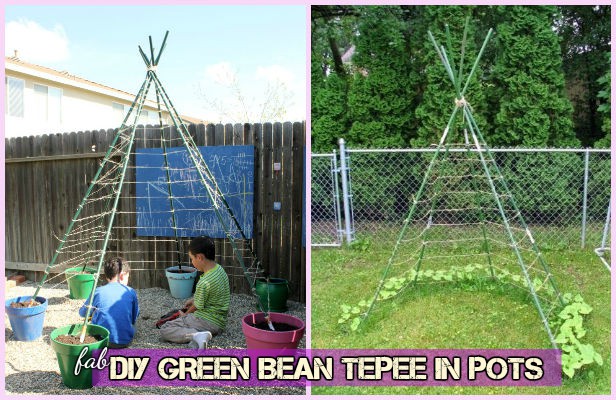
x: 200, y: 340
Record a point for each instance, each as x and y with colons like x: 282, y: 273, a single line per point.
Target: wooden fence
x: 47, y: 176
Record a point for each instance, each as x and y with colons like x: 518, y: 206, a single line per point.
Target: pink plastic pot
x: 267, y: 339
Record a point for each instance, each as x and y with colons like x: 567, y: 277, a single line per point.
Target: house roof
x: 64, y: 77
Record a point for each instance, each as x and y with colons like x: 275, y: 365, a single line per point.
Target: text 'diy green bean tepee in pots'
x: 464, y: 220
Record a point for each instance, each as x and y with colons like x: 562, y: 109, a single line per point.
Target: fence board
x: 286, y: 199
x: 257, y: 222
x: 265, y: 192
x: 42, y: 196
x: 297, y: 275
x: 38, y: 209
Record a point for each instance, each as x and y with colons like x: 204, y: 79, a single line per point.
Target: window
x: 119, y: 112
x: 146, y: 117
x: 15, y: 97
x: 47, y: 104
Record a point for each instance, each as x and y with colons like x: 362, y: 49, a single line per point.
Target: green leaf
x: 363, y: 303
x: 568, y: 370
x: 355, y: 323
x: 399, y: 283
x: 584, y: 308
x: 386, y: 294
x: 345, y: 308
x: 355, y: 310
x: 587, y: 352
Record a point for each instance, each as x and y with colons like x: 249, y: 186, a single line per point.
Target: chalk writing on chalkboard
x: 178, y: 192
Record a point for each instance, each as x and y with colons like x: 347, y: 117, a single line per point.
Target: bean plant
x: 568, y: 322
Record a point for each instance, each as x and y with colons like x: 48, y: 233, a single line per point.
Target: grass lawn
x: 476, y: 314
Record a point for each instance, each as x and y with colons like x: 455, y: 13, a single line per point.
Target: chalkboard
x: 233, y: 170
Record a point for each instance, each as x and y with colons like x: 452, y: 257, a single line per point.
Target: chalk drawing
x: 233, y: 170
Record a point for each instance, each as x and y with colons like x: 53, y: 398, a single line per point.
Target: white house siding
x: 85, y: 105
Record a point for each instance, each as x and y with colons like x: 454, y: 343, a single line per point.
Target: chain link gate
x: 562, y: 193
x: 326, y: 219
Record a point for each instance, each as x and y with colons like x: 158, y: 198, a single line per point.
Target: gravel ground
x: 32, y: 367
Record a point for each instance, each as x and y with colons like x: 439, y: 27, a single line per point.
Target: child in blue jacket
x: 115, y: 305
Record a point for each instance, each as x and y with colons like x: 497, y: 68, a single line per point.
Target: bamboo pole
x: 213, y: 192
x: 521, y: 219
x: 508, y: 228
x: 85, y: 197
x: 462, y: 51
x: 409, y: 216
x: 114, y: 209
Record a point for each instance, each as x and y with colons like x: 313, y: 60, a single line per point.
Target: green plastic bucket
x: 68, y: 354
x: 278, y: 291
x: 80, y: 284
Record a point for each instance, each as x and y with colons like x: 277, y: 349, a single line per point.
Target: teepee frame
x: 215, y: 195
x: 490, y: 169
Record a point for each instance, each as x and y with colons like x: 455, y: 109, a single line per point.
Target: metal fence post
x: 345, y: 191
x: 585, y: 198
x: 336, y: 195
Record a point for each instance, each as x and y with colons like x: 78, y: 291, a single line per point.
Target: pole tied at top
x: 461, y: 102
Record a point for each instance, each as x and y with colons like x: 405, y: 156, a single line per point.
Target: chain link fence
x: 562, y: 194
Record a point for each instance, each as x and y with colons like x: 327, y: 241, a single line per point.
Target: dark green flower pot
x: 277, y: 290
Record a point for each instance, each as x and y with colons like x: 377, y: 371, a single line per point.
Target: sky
x: 214, y: 55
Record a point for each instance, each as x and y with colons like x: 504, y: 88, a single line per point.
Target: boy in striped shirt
x: 206, y: 313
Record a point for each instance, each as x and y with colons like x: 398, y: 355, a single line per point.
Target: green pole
x: 197, y: 159
x: 520, y: 217
x: 459, y: 79
x: 85, y: 197
x: 115, y: 207
x: 162, y: 47
x: 472, y: 73
x: 410, y: 215
x: 437, y: 189
x: 168, y: 176
x: 482, y: 218
x: 450, y: 52
x: 508, y: 228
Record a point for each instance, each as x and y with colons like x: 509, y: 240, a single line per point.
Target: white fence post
x: 585, y: 198
x: 336, y: 195
x: 346, y: 203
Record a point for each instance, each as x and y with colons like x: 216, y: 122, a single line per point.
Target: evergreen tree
x: 331, y: 27
x: 585, y: 38
x: 439, y: 95
x: 329, y: 112
x: 604, y: 108
x: 529, y: 83
x: 383, y: 90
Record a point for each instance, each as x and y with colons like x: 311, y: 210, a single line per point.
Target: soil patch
x: 278, y: 326
x: 180, y: 271
x: 24, y: 304
x: 70, y: 339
